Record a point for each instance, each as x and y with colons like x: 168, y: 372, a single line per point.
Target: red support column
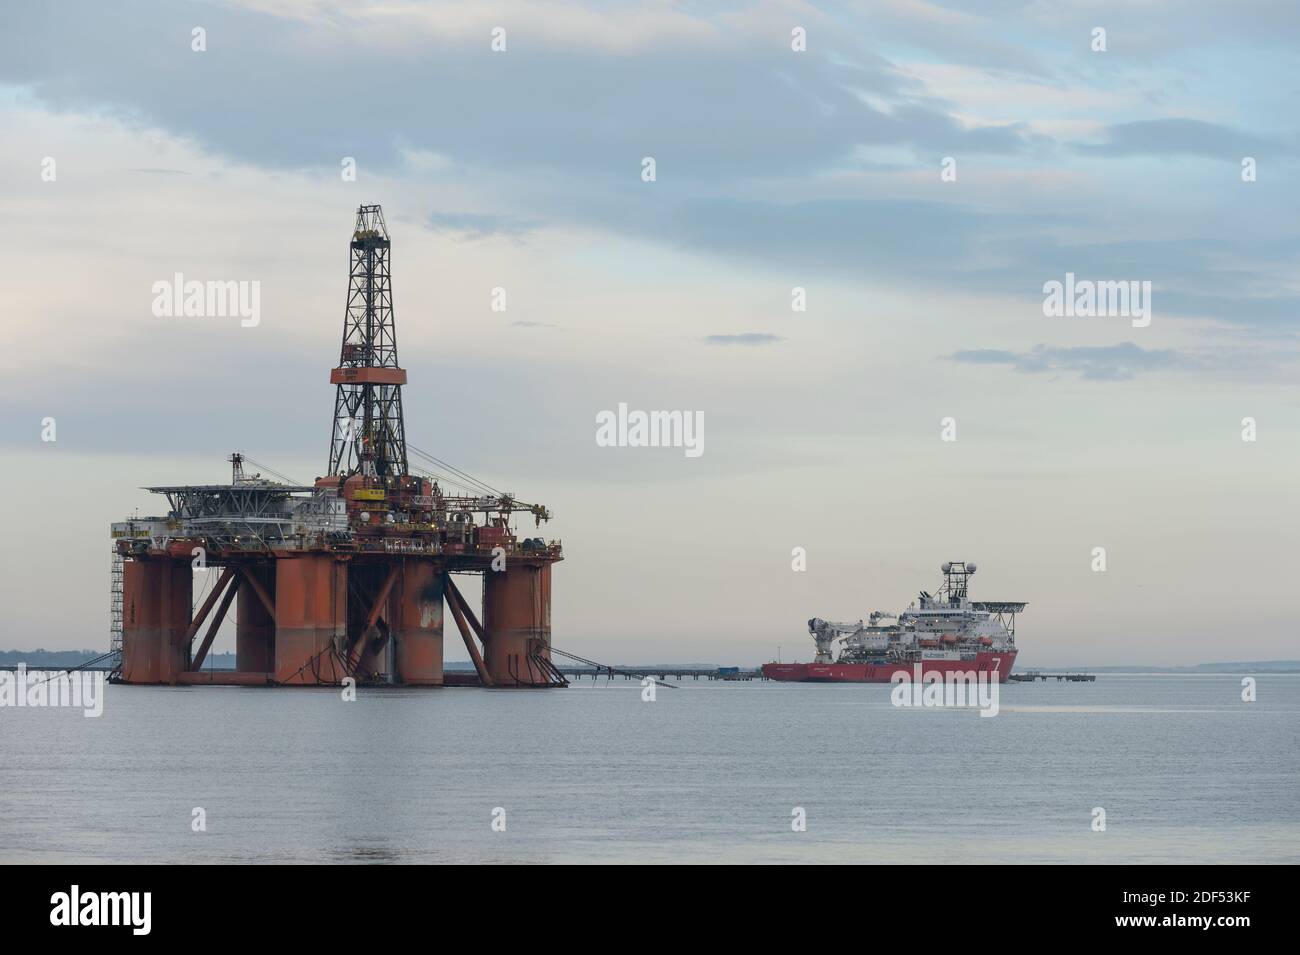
x: 157, y: 599
x: 310, y: 611
x: 140, y: 621
x: 177, y: 599
x: 517, y: 622
x: 417, y: 628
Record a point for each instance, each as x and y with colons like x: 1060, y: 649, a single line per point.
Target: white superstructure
x: 946, y: 625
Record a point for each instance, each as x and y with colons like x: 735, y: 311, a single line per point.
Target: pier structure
x: 1030, y: 676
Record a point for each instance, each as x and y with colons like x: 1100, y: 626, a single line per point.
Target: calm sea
x: 1185, y: 771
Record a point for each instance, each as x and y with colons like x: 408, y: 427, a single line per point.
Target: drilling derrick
x: 347, y: 577
x: 369, y: 433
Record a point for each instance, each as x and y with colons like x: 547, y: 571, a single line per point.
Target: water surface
x: 1185, y: 771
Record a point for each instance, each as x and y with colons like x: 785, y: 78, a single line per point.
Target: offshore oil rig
x: 347, y: 577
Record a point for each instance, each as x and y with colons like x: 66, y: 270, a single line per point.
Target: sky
x: 919, y: 170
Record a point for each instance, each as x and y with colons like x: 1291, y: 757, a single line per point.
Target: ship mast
x: 956, y: 574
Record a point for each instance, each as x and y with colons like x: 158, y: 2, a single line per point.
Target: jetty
x: 1029, y: 676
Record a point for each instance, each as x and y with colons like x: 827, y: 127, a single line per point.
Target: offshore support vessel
x: 941, y: 633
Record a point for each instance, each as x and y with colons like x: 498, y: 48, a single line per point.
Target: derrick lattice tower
x: 369, y: 434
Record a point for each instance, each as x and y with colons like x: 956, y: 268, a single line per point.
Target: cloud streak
x: 471, y: 227
x: 1123, y: 361
x: 1180, y: 137
x: 743, y: 338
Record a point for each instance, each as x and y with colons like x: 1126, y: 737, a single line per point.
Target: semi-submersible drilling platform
x: 346, y: 578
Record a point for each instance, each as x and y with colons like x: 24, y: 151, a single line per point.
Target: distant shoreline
x: 66, y: 659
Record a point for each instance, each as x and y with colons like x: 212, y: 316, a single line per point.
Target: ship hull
x: 999, y: 663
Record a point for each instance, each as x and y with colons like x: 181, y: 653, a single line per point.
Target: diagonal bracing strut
x: 460, y: 610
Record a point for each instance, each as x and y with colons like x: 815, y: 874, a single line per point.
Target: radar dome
x: 946, y: 567
x: 970, y: 568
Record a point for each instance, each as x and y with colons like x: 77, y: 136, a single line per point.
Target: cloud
x: 1179, y: 137
x: 300, y: 92
x: 952, y: 34
x: 744, y: 338
x: 469, y: 226
x: 1120, y: 362
x: 961, y: 249
x: 553, y: 132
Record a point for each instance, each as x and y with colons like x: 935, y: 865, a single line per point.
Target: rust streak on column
x: 417, y: 624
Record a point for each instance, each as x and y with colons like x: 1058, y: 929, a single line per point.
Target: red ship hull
x: 989, y: 661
